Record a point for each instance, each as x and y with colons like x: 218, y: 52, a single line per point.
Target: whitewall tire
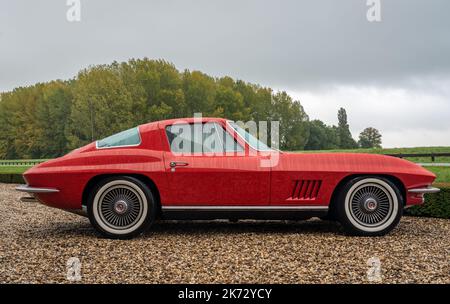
x: 121, y: 207
x: 369, y: 206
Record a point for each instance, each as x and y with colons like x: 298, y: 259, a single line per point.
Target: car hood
x: 348, y: 162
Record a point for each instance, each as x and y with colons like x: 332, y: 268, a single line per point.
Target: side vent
x: 305, y: 189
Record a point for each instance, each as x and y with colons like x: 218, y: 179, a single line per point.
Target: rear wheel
x: 369, y: 206
x: 121, y: 207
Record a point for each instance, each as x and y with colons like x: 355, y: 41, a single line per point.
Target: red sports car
x: 214, y: 169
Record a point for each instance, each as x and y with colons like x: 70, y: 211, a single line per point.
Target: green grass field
x: 443, y: 173
x: 13, y: 169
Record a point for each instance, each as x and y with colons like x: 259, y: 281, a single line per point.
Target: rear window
x: 126, y: 138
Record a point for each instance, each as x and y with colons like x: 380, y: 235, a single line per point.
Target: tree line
x: 47, y: 120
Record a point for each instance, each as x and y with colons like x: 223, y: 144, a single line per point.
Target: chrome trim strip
x: 424, y: 190
x: 28, y: 189
x: 244, y: 208
x: 113, y: 147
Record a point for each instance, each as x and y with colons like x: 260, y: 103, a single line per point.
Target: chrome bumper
x: 424, y: 190
x: 33, y: 199
x: 31, y: 190
x: 28, y: 189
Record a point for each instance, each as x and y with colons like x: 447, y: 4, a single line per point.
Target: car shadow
x: 58, y: 230
x: 243, y: 226
x: 160, y: 228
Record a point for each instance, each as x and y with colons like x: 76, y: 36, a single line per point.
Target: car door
x: 214, y: 172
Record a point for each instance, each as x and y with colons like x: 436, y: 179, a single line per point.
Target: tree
x: 159, y: 84
x: 231, y: 104
x: 25, y: 122
x: 294, y: 127
x: 321, y: 136
x: 346, y: 140
x: 46, y: 120
x: 52, y: 114
x: 370, y: 138
x: 8, y: 128
x: 199, y: 92
x: 101, y: 106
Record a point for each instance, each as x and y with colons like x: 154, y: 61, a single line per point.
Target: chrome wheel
x: 371, y: 205
x: 120, y: 207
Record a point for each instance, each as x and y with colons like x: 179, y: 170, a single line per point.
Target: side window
x: 129, y: 137
x: 197, y: 138
x: 210, y: 136
x: 181, y: 139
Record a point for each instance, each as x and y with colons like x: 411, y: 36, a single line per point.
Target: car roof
x: 163, y: 123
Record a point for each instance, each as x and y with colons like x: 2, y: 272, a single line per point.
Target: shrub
x: 11, y: 178
x: 436, y: 205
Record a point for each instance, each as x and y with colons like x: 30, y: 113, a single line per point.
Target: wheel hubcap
x: 371, y: 205
x: 120, y: 207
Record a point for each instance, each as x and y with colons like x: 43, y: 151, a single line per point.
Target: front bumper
x: 424, y: 190
x: 416, y: 196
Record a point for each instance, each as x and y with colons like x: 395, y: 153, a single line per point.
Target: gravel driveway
x: 37, y: 241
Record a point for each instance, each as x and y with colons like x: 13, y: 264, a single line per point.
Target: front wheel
x: 121, y: 207
x: 369, y: 206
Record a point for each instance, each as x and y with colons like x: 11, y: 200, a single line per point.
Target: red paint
x: 296, y: 179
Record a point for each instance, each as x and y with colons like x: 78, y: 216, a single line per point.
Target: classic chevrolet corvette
x: 214, y: 169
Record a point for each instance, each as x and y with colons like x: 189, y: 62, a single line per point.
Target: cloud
x: 406, y: 117
x: 325, y: 51
x: 290, y: 43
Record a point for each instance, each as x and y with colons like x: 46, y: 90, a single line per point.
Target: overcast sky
x: 393, y: 75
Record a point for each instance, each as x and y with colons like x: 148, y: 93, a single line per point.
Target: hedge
x: 436, y: 204
x: 11, y: 178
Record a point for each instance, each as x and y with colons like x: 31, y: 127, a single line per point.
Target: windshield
x: 249, y: 138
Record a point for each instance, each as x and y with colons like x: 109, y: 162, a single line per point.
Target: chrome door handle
x: 178, y: 164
